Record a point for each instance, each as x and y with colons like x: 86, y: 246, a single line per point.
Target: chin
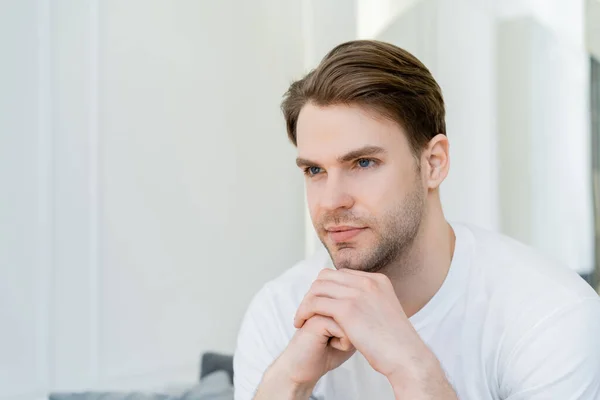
x: 347, y: 258
x: 355, y: 259
x: 353, y: 254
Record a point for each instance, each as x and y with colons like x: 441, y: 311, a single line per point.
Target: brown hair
x: 379, y: 76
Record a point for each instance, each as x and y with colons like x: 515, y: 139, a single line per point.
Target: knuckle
x: 369, y: 284
x: 318, y: 320
x: 319, y: 287
x: 324, y: 273
x: 316, y: 285
x: 316, y: 323
x: 382, y: 278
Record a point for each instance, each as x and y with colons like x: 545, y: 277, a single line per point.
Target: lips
x: 343, y: 233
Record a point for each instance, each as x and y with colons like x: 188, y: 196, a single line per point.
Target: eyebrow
x: 352, y: 155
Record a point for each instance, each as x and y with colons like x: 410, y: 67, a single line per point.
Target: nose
x: 335, y: 194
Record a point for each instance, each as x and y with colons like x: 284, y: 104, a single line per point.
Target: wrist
x: 424, y: 378
x: 278, y: 379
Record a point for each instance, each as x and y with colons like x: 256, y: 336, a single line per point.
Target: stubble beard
x: 395, y: 233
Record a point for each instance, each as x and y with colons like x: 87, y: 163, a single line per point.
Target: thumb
x: 342, y: 344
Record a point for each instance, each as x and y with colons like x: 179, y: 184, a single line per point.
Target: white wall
x: 544, y: 128
x: 456, y: 41
x: 564, y: 18
x: 375, y: 15
x: 545, y: 141
x: 149, y: 188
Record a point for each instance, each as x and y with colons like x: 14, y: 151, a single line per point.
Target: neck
x: 420, y: 273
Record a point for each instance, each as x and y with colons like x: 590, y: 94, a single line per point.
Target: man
x: 413, y: 307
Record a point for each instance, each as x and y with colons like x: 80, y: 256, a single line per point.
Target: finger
x: 371, y: 275
x: 328, y: 328
x: 331, y: 289
x: 356, y: 272
x: 337, y: 276
x: 351, y: 278
x: 325, y: 288
x: 325, y: 326
x: 315, y: 305
x: 342, y: 344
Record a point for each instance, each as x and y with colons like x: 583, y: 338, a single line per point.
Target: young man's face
x: 364, y: 189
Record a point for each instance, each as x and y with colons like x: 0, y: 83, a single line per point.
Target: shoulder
x: 556, y: 357
x: 519, y: 274
x: 545, y: 316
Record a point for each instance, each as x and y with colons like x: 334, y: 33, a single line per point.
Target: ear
x: 436, y: 161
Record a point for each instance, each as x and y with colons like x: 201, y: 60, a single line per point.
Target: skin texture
x: 375, y: 206
x: 372, y: 184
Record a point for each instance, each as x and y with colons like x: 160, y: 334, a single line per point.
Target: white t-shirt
x: 506, y: 324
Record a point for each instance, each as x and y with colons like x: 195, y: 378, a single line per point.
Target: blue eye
x: 313, y: 170
x: 365, y: 163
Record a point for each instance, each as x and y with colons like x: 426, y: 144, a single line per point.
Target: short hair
x: 378, y: 76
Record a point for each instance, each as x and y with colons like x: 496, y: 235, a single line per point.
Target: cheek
x: 376, y: 191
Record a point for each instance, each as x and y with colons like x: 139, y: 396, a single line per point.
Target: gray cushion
x: 109, y: 396
x: 212, y: 362
x: 215, y: 386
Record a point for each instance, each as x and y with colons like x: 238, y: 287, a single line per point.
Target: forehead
x: 331, y: 131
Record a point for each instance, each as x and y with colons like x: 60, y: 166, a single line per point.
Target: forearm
x: 423, y: 380
x: 275, y: 385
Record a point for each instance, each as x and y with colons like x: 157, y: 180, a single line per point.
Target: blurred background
x: 148, y: 189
